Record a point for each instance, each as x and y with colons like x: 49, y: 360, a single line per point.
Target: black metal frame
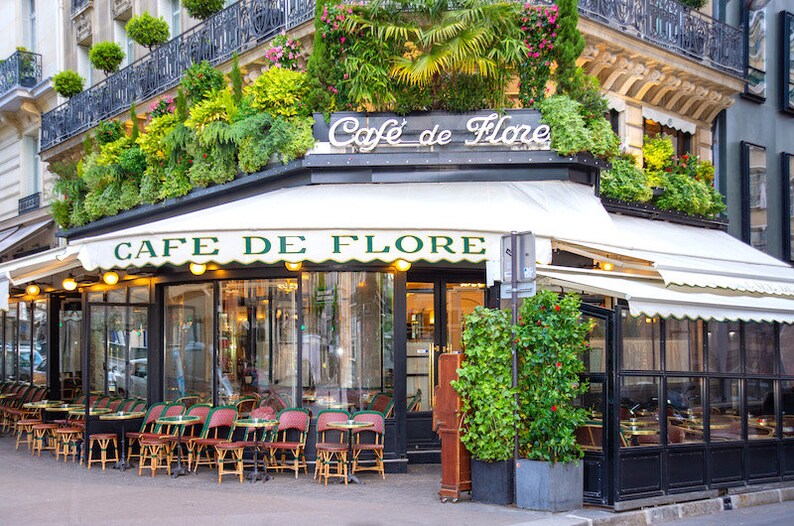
x: 786, y: 189
x: 668, y: 469
x: 745, y: 188
x: 745, y: 18
x: 786, y: 67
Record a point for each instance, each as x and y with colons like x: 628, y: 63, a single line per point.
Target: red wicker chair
x: 373, y: 441
x: 217, y: 429
x: 293, y: 426
x: 330, y: 451
x: 147, y: 426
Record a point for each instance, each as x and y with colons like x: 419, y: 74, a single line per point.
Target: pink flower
x: 342, y: 40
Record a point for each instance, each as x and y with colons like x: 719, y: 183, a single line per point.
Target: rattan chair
x: 369, y: 439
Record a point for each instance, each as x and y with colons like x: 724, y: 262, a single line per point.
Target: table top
x: 350, y: 424
x: 92, y: 411
x: 41, y: 404
x: 62, y: 408
x: 639, y: 423
x: 122, y: 415
x: 255, y: 422
x: 179, y: 419
x: 3, y: 396
x: 640, y: 432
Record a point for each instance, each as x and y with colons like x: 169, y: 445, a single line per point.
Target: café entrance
x: 435, y: 310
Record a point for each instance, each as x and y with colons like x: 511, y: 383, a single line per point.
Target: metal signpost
x: 518, y: 281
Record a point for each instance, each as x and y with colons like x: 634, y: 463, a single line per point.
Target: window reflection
x: 258, y: 341
x: 761, y: 409
x: 348, y: 356
x: 685, y: 419
x: 787, y: 401
x: 595, y: 357
x: 756, y: 54
x: 725, y: 398
x: 641, y: 343
x: 759, y: 342
x: 591, y: 435
x: 188, y: 341
x: 724, y: 347
x: 639, y: 411
x: 683, y: 345
x: 787, y: 350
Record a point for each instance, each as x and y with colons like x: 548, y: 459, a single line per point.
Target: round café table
x: 257, y: 423
x: 122, y: 417
x: 179, y: 420
x: 41, y: 404
x: 350, y: 425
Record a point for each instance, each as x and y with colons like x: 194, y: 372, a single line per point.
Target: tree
x: 106, y: 56
x: 202, y: 9
x: 147, y: 30
x: 568, y: 46
x: 68, y: 83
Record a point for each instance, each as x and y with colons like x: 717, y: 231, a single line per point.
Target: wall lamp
x: 402, y: 265
x: 197, y: 269
x: 110, y: 277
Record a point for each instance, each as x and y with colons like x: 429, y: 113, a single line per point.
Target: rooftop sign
x: 434, y: 131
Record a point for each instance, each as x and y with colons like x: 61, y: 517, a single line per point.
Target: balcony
x: 675, y: 27
x: 22, y: 69
x: 665, y: 24
x: 30, y: 203
x: 238, y: 28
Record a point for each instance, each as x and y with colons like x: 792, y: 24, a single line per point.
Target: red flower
x: 557, y: 308
x: 204, y: 155
x: 559, y: 364
x: 554, y: 408
x: 539, y: 323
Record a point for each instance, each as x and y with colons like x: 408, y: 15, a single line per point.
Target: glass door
x: 435, y: 312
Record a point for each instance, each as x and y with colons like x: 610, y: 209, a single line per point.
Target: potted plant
x: 68, y: 83
x: 202, y: 9
x: 550, y: 339
x: 106, y: 56
x: 147, y: 30
x: 488, y: 404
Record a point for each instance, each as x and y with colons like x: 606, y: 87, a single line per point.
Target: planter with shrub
x: 106, y: 56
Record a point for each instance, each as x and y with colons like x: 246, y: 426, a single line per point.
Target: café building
x: 340, y: 278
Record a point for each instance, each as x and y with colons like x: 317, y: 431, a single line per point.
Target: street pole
x: 514, y: 322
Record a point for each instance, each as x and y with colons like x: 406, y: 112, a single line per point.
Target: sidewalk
x: 43, y: 491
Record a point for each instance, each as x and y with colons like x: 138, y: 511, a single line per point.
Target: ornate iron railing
x: 23, y: 68
x: 237, y: 28
x: 673, y: 26
x: 78, y: 5
x: 30, y: 203
x: 246, y: 24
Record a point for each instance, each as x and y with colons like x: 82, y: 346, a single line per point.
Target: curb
x: 668, y: 512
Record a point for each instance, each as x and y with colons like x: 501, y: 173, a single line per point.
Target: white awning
x: 35, y: 267
x: 650, y: 297
x: 19, y: 235
x: 690, y: 256
x: 360, y: 222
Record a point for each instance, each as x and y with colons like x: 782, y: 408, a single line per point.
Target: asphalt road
x: 770, y: 515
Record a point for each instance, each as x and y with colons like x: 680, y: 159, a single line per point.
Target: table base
x: 351, y: 479
x: 179, y: 470
x: 123, y: 465
x: 253, y: 476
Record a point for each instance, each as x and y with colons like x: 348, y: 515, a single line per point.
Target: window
x: 754, y: 205
x: 755, y: 20
x: 683, y: 345
x: 29, y: 24
x: 171, y: 11
x: 724, y: 347
x: 84, y: 67
x: 787, y: 171
x: 126, y: 43
x: 32, y: 184
x: 682, y: 141
x: 787, y: 56
x: 641, y: 343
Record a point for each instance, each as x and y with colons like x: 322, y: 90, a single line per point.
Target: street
x: 769, y: 515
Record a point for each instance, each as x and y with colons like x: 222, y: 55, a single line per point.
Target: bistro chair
x: 246, y: 404
x: 293, y: 426
x: 189, y: 400
x: 24, y: 429
x: 187, y: 432
x: 43, y: 438
x: 331, y: 445
x: 156, y: 447
x: 103, y: 440
x: 415, y: 404
x: 147, y: 426
x: 369, y: 439
x: 217, y: 429
x: 590, y: 437
x: 235, y: 450
x: 66, y: 440
x: 382, y: 403
x: 127, y: 405
x: 115, y: 404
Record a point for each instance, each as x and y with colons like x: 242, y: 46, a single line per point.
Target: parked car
x: 138, y: 375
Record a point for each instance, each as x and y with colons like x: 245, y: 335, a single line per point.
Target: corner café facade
x: 347, y: 273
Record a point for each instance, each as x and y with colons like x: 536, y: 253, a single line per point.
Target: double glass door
x: 435, y: 310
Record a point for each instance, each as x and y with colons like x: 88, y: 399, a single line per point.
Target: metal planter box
x: 492, y: 482
x: 549, y: 487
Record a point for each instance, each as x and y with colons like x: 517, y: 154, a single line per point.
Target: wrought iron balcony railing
x: 665, y: 23
x: 676, y: 27
x: 23, y: 68
x: 237, y: 28
x: 78, y: 5
x: 30, y: 203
